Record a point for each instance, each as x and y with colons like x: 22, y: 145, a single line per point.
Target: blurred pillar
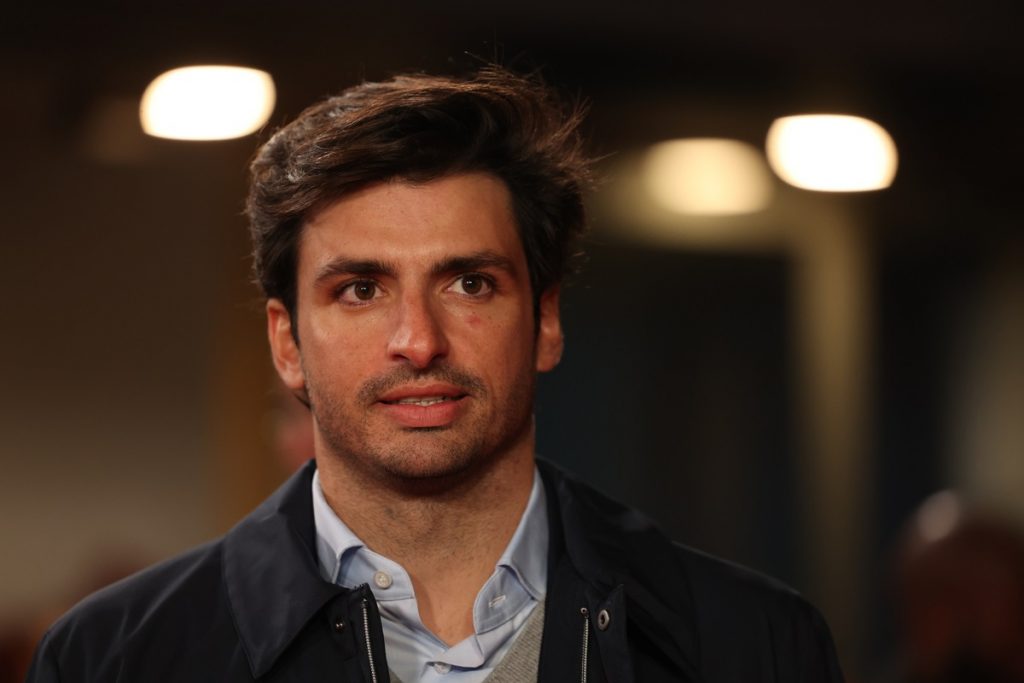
x: 833, y: 319
x: 986, y: 431
x: 832, y: 346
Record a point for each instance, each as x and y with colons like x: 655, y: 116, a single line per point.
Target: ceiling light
x: 708, y: 177
x: 207, y: 103
x: 831, y: 152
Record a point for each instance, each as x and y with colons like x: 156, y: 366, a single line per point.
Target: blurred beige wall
x: 131, y: 344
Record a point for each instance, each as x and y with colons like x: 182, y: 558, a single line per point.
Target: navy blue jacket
x: 623, y: 604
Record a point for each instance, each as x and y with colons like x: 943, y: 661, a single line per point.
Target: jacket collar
x: 270, y: 570
x: 613, y: 548
x: 274, y: 585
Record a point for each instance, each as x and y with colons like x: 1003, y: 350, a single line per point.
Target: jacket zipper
x: 369, y: 645
x: 586, y: 643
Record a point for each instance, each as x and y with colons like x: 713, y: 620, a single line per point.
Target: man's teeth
x: 424, y: 401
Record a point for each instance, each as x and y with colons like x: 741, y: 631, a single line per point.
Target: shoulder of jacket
x: 113, y: 615
x: 742, y: 591
x: 723, y: 617
x: 717, y: 575
x: 710, y: 578
x: 740, y: 610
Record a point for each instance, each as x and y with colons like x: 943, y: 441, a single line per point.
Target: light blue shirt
x: 517, y: 585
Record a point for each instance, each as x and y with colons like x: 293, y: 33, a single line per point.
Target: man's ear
x: 283, y: 347
x: 549, y: 331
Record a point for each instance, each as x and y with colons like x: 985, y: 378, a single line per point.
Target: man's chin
x: 427, y: 468
x: 431, y: 469
x: 427, y: 480
x: 421, y: 461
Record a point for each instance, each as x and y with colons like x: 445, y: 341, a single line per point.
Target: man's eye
x: 363, y: 290
x: 472, y: 284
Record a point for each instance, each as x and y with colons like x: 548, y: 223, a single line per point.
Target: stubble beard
x: 423, y: 460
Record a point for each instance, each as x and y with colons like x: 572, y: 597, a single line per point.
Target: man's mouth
x: 423, y: 400
x: 439, y: 405
x: 425, y: 395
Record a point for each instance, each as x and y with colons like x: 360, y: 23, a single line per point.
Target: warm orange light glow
x: 207, y: 103
x: 832, y: 152
x: 708, y: 177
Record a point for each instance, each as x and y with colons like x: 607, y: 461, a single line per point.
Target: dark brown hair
x: 420, y: 128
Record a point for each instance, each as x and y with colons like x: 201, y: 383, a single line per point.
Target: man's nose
x: 419, y: 335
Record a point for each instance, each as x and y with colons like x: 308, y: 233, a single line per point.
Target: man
x: 410, y: 237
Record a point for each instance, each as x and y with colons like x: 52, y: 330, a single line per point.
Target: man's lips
x: 422, y: 401
x: 423, y: 406
x: 423, y: 395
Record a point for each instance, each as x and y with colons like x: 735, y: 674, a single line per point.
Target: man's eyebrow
x: 350, y: 266
x: 479, y: 260
x: 476, y: 261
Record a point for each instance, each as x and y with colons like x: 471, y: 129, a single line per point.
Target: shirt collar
x: 333, y: 537
x: 527, y: 552
x: 345, y: 560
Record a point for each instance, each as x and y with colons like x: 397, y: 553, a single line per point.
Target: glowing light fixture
x: 832, y: 153
x: 207, y: 103
x: 708, y: 177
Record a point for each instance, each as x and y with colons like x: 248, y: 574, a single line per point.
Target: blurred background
x: 786, y: 381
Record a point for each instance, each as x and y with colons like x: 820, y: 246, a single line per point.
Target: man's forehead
x: 400, y: 223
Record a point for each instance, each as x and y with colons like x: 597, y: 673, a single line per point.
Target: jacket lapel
x: 606, y: 557
x: 271, y: 575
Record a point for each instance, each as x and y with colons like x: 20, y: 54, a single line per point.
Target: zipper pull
x: 369, y: 645
x: 586, y: 644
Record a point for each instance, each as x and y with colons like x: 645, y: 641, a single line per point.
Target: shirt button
x: 382, y: 579
x: 442, y: 667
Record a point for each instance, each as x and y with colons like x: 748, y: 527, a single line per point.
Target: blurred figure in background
x: 960, y: 596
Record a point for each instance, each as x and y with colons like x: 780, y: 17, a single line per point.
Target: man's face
x: 417, y: 336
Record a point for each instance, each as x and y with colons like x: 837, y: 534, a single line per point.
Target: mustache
x: 381, y: 384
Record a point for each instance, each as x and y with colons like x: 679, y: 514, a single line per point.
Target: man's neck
x: 448, y: 541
